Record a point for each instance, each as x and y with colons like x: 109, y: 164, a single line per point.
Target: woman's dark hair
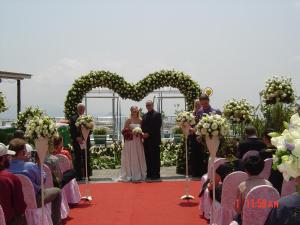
x: 223, y: 170
x: 254, y: 165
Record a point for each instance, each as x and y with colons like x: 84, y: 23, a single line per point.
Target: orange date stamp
x: 259, y: 203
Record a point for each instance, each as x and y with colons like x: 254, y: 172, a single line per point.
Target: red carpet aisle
x: 137, y: 204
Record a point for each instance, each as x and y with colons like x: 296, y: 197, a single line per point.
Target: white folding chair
x: 257, y: 204
x: 228, y: 197
x: 65, y: 209
x: 71, y: 189
x: 33, y: 213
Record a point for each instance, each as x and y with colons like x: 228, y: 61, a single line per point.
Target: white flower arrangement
x: 185, y: 119
x: 287, y: 155
x: 85, y: 120
x: 238, y: 111
x: 212, y: 125
x: 137, y: 131
x: 278, y: 89
x: 40, y: 126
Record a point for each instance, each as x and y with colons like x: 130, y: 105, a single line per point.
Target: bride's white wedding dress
x: 133, y: 163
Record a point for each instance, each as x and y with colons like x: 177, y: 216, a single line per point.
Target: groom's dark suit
x: 151, y: 124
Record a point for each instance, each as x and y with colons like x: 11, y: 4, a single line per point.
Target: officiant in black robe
x: 151, y: 126
x: 77, y: 139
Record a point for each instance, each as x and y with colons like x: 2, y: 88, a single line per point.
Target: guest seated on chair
x: 21, y: 134
x: 288, y: 211
x: 252, y: 142
x: 59, y: 149
x: 221, y: 172
x: 59, y: 179
x: 270, y: 149
x: 276, y: 177
x: 33, y: 172
x: 11, y: 197
x: 254, y: 165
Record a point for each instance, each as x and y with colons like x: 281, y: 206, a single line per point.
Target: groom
x: 151, y: 126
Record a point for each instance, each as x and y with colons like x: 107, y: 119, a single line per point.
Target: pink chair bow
x: 65, y: 209
x: 2, y: 217
x: 228, y: 197
x: 71, y: 189
x: 250, y: 153
x: 258, y: 204
x: 289, y: 187
x: 267, y: 169
x: 33, y: 213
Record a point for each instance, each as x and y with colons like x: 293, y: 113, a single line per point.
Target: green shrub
x: 277, y: 114
x: 106, y: 157
x: 100, y: 131
x: 168, y: 153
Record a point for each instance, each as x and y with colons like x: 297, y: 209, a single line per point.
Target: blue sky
x: 231, y: 46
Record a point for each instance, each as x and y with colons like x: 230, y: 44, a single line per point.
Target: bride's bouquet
x: 137, y: 131
x: 85, y: 121
x: 212, y: 125
x: 287, y: 156
x: 40, y: 126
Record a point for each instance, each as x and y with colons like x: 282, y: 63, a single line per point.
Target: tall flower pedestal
x: 41, y: 145
x: 186, y: 128
x: 85, y: 133
x: 212, y: 143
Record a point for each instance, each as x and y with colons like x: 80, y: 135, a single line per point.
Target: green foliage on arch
x: 137, y: 92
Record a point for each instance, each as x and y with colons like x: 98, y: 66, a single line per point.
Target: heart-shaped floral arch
x: 137, y: 92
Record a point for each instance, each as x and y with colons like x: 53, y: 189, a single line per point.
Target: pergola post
x: 114, y: 116
x: 85, y: 104
x: 18, y: 96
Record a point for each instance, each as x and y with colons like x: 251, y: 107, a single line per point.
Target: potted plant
x: 100, y: 135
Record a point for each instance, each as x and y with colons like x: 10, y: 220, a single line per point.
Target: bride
x: 133, y: 163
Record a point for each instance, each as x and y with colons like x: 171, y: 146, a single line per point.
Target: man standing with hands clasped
x: 78, y: 142
x: 151, y: 126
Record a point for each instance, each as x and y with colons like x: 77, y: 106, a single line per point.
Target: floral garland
x: 287, y: 156
x: 28, y: 114
x: 278, y: 90
x: 238, y: 111
x: 165, y: 78
x: 3, y: 106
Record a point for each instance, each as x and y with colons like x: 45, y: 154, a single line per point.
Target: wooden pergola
x: 18, y: 77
